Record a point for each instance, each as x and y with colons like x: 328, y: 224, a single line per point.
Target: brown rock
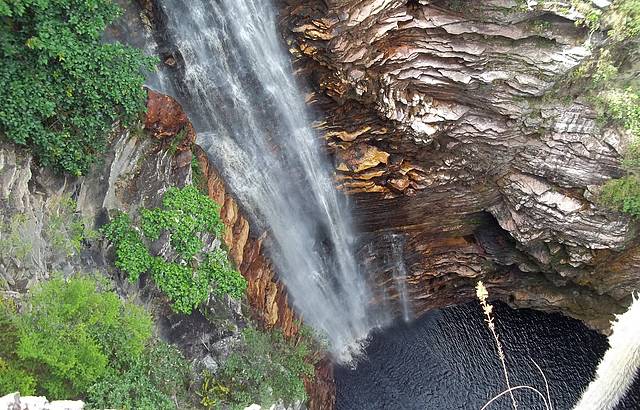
x: 489, y: 167
x: 166, y: 120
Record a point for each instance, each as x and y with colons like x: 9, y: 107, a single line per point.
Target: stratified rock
x: 490, y: 165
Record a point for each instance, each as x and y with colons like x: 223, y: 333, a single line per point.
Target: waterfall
x: 399, y: 272
x: 238, y: 87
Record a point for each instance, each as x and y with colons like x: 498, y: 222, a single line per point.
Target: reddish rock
x: 266, y: 295
x: 166, y: 120
x: 322, y: 388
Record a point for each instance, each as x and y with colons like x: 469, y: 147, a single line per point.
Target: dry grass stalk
x: 483, y: 295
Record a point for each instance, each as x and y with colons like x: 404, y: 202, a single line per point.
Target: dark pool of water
x: 447, y: 360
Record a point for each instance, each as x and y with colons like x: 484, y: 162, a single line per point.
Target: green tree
x: 62, y: 87
x: 75, y: 341
x: 70, y: 334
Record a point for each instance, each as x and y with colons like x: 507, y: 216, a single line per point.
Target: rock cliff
x: 456, y: 125
x: 45, y: 220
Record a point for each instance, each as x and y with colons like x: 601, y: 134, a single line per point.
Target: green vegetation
x: 623, y: 107
x: 199, y: 179
x: 624, y: 19
x: 13, y: 238
x: 65, y: 229
x: 622, y: 194
x: 155, y: 380
x: 615, y: 94
x: 185, y: 216
x: 264, y: 369
x: 73, y: 340
x: 63, y: 88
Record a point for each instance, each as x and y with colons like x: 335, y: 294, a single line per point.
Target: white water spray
x: 399, y: 272
x: 238, y: 87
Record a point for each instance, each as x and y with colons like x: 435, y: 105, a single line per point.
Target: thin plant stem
x: 512, y: 389
x: 546, y: 384
x: 482, y: 294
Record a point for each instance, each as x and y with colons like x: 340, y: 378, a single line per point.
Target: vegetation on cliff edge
x: 615, y: 92
x: 62, y: 87
x: 73, y: 339
x: 265, y: 368
x: 187, y: 272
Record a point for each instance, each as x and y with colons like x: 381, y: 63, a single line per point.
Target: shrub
x: 75, y: 341
x: 132, y: 256
x: 12, y: 378
x: 70, y: 332
x: 623, y: 105
x: 186, y: 216
x: 264, y: 369
x: 625, y: 19
x: 155, y: 380
x: 622, y: 194
x: 62, y: 87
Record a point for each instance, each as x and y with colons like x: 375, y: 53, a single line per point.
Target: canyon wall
x: 457, y: 125
x: 141, y: 163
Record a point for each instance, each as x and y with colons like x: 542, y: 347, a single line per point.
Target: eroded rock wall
x: 454, y: 124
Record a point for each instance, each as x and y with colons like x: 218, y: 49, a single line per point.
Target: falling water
x: 250, y: 116
x: 399, y: 272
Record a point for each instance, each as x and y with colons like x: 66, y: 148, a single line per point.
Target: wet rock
x: 166, y: 119
x: 493, y: 164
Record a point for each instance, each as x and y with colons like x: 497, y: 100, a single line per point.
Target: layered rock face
x: 454, y: 125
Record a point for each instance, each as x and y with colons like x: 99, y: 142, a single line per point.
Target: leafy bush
x: 70, y: 333
x: 264, y: 369
x: 132, y: 256
x: 12, y: 378
x: 625, y: 19
x: 622, y: 194
x: 62, y: 87
x: 155, y: 380
x: 186, y: 215
x: 75, y: 341
x: 623, y: 105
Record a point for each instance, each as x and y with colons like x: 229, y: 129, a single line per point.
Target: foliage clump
x: 622, y: 194
x: 155, y: 380
x: 265, y: 368
x: 63, y: 88
x: 73, y: 340
x: 188, y: 278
